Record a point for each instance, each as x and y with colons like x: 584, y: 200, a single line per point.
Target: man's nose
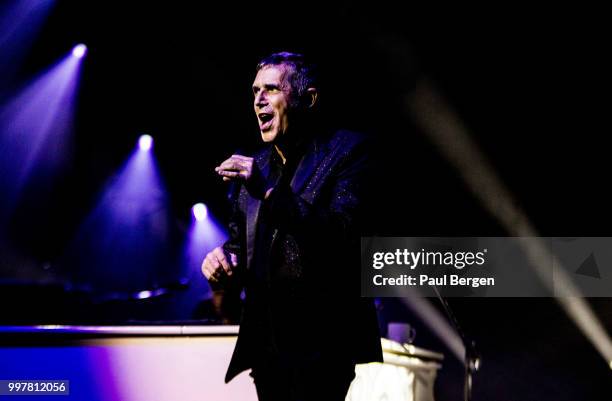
x: 260, y: 99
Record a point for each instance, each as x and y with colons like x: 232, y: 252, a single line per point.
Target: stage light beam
x: 440, y: 122
x: 36, y: 129
x: 20, y: 24
x: 125, y: 237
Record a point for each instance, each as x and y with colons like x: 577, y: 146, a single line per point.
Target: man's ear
x: 311, y: 97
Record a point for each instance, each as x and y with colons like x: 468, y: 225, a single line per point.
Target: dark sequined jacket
x: 310, y: 302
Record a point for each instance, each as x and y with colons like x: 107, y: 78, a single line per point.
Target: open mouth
x: 265, y: 120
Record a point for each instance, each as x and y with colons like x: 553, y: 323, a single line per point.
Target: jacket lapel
x: 253, y: 205
x: 307, y: 167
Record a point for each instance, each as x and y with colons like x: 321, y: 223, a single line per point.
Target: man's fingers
x: 236, y: 167
x: 220, y: 255
x: 227, y: 173
x: 236, y: 162
x: 230, y: 173
x: 210, y: 265
x: 210, y: 275
x: 208, y: 270
x: 234, y: 259
x: 233, y: 164
x: 233, y: 174
x: 216, y: 265
x: 229, y: 164
x: 243, y: 158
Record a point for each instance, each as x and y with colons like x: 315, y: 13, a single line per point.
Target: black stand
x: 472, y: 358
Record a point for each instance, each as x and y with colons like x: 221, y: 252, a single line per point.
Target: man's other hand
x: 218, y: 265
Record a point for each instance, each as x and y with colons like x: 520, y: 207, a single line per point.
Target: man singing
x: 294, y: 244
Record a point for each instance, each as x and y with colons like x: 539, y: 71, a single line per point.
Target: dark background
x: 528, y: 83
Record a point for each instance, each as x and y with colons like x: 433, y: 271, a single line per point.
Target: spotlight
x: 143, y: 295
x: 145, y: 142
x: 79, y: 50
x: 199, y: 211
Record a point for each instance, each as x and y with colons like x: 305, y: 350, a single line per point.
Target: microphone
x: 233, y: 192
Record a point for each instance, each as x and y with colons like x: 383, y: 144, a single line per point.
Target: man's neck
x: 290, y: 148
x: 291, y: 144
x: 280, y: 153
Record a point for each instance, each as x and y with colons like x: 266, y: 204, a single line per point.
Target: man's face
x: 273, y: 101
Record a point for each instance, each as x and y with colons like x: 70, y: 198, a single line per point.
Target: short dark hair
x: 304, y: 73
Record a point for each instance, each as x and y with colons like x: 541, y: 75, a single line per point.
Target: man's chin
x: 268, y: 136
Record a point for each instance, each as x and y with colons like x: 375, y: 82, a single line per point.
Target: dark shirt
x: 273, y: 255
x: 266, y: 230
